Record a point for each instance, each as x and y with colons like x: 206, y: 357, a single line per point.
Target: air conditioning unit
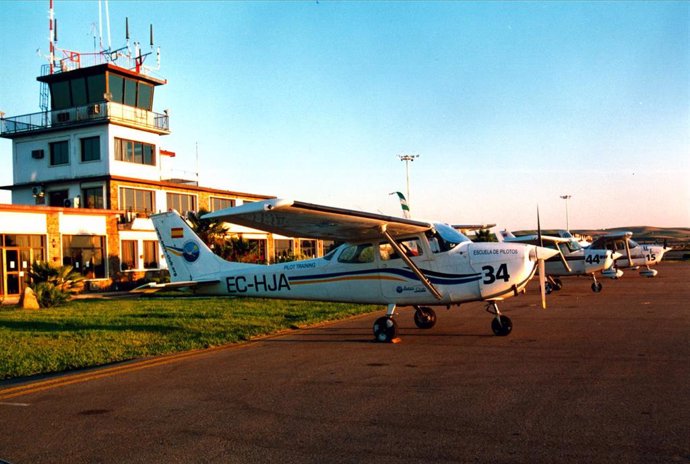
x: 71, y: 202
x: 37, y: 191
x: 37, y: 154
x: 94, y: 109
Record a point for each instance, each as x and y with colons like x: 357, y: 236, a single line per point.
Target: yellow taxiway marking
x: 61, y: 381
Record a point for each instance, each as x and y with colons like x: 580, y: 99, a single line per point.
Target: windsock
x: 403, y: 204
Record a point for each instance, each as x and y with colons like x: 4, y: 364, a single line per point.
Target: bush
x: 53, y: 285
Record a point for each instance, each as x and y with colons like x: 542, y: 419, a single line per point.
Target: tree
x: 484, y: 235
x: 215, y: 235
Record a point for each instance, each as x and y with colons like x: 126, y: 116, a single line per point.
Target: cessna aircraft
x: 572, y: 259
x: 384, y: 260
x: 633, y: 254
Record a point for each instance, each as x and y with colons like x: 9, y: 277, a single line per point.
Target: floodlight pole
x: 407, y: 159
x: 566, y: 198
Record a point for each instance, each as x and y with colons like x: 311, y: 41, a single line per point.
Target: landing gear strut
x: 596, y: 285
x: 424, y: 317
x: 501, y: 325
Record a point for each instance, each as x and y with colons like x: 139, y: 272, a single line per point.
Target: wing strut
x: 420, y: 275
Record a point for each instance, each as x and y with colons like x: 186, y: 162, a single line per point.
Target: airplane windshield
x: 447, y: 237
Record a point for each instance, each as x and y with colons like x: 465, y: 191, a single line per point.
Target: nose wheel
x: 501, y: 325
x: 596, y: 285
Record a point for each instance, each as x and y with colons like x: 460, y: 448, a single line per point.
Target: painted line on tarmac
x: 61, y: 381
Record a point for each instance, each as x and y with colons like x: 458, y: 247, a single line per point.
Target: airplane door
x: 397, y: 280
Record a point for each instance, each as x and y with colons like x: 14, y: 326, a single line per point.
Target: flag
x: 176, y: 232
x: 403, y: 204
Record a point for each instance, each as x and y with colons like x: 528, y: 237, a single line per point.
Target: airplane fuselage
x: 468, y: 272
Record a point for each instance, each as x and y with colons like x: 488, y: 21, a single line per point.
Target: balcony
x: 94, y: 113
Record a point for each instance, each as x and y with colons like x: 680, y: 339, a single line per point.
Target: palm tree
x: 216, y: 235
x: 484, y: 235
x: 210, y: 231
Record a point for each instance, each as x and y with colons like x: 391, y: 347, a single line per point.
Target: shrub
x: 54, y: 284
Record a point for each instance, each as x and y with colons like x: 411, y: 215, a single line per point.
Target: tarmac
x: 600, y: 378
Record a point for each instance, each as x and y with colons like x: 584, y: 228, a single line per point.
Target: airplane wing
x: 534, y: 239
x: 300, y: 219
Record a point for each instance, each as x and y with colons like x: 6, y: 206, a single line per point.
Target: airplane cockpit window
x: 632, y: 243
x: 411, y: 247
x: 445, y: 238
x: 362, y: 253
x: 573, y: 246
x: 329, y: 256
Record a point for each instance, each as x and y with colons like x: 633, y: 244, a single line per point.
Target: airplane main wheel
x: 502, y: 327
x: 425, y: 318
x: 559, y: 284
x: 596, y: 287
x: 385, y: 329
x: 548, y: 288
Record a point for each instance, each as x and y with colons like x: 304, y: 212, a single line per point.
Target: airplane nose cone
x: 542, y: 253
x: 615, y: 255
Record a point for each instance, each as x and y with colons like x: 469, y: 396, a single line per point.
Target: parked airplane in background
x: 633, y: 254
x: 572, y: 259
x: 384, y: 260
x: 566, y: 234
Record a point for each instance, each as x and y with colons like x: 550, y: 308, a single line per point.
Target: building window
x: 135, y: 152
x: 307, y: 248
x: 137, y: 200
x: 91, y: 149
x: 151, y: 254
x: 221, y: 203
x: 283, y: 249
x: 129, y: 255
x: 93, y: 198
x: 59, y: 153
x: 58, y: 198
x: 181, y: 202
x: 85, y: 254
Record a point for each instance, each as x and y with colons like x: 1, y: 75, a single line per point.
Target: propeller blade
x: 542, y: 283
x: 542, y: 265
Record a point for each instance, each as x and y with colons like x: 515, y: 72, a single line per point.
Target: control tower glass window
x: 78, y: 91
x: 130, y: 92
x: 116, y: 87
x: 96, y: 88
x: 145, y: 96
x: 60, y: 95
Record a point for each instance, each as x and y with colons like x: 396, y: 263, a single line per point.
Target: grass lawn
x: 94, y: 332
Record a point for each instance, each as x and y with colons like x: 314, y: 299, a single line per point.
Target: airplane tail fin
x: 501, y: 235
x: 187, y: 256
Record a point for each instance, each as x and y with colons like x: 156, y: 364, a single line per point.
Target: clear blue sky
x: 508, y: 104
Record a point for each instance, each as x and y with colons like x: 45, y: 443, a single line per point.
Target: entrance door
x: 13, y: 282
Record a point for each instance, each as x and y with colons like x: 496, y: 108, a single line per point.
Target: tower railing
x: 93, y: 112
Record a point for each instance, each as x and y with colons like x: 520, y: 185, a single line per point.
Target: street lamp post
x: 566, y: 198
x: 407, y: 159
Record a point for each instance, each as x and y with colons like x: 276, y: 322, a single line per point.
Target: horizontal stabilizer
x: 153, y: 287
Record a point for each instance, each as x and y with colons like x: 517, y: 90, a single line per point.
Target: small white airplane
x: 633, y: 254
x: 572, y: 259
x: 384, y: 260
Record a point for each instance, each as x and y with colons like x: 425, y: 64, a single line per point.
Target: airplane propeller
x: 541, y: 264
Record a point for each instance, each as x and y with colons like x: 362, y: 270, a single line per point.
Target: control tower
x: 97, y: 125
